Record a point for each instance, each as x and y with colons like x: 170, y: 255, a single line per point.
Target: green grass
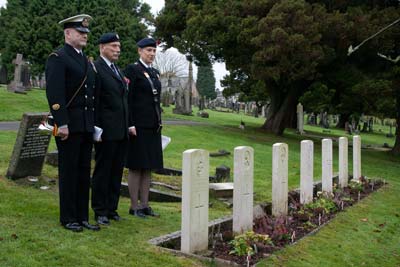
x: 14, y: 105
x: 30, y: 234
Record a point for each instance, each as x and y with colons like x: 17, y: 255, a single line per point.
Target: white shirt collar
x: 107, y: 61
x: 147, y: 66
x: 78, y: 51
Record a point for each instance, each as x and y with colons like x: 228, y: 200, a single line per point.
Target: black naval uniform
x: 112, y: 117
x: 144, y: 149
x: 65, y: 72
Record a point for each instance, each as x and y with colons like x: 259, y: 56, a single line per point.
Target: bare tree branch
x: 171, y: 63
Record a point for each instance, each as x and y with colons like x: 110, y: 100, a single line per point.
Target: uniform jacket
x: 111, y: 102
x: 65, y: 71
x: 142, y: 112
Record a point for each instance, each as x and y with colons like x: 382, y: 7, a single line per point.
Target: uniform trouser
x: 106, y: 182
x: 74, y: 156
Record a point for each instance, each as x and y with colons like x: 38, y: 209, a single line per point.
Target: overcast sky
x: 156, y: 6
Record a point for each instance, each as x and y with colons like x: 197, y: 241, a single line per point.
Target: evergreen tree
x: 30, y: 27
x: 206, y: 81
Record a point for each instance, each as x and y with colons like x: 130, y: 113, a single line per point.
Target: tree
x: 170, y: 63
x: 30, y: 27
x: 206, y: 81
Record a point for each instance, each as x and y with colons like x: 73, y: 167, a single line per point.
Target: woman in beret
x: 144, y: 148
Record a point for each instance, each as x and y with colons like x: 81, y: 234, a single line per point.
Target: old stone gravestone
x: 300, y: 119
x: 306, y: 171
x: 327, y: 171
x: 30, y: 148
x: 343, y: 162
x: 16, y: 85
x: 280, y: 155
x: 194, y: 227
x: 356, y: 157
x: 243, y: 189
x: 3, y: 75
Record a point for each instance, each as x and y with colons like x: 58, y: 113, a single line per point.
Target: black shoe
x: 87, y: 225
x: 138, y: 213
x: 115, y: 217
x: 74, y: 227
x: 103, y: 220
x: 149, y: 211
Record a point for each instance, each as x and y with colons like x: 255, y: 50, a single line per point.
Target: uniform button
x: 85, y: 108
x: 93, y: 109
x: 92, y: 97
x: 85, y: 96
x: 85, y: 85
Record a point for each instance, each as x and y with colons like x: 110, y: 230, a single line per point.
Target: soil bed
x: 301, y: 221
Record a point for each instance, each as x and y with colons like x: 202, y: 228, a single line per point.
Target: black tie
x: 114, y: 69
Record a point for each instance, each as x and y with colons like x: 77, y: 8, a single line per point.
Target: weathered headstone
x: 222, y: 173
x: 183, y: 96
x: 195, y: 170
x: 280, y: 179
x: 327, y: 171
x: 343, y: 162
x: 356, y: 157
x: 30, y: 148
x: 3, y: 75
x: 300, y: 119
x: 243, y: 189
x: 306, y: 171
x: 16, y: 85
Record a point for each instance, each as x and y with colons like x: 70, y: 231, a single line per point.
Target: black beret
x: 147, y: 42
x: 109, y: 38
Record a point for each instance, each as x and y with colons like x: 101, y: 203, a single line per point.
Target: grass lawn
x: 30, y: 234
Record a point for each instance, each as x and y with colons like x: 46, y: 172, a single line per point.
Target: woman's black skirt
x: 144, y: 150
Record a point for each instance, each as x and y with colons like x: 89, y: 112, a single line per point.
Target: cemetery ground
x: 363, y: 235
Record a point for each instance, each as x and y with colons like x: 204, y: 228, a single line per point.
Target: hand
x: 63, y: 133
x: 132, y: 131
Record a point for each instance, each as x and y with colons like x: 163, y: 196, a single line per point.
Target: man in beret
x: 70, y: 86
x: 112, y: 118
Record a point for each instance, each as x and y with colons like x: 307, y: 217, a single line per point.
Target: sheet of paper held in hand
x: 97, y: 133
x: 165, y: 140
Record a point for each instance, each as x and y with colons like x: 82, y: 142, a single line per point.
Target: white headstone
x: 195, y: 172
x: 306, y: 171
x: 327, y: 171
x: 300, y: 119
x: 280, y: 179
x: 343, y: 162
x: 243, y: 189
x: 356, y: 157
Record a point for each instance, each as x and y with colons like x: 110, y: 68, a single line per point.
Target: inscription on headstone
x: 30, y: 148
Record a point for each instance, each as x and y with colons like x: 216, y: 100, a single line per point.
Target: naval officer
x: 70, y: 86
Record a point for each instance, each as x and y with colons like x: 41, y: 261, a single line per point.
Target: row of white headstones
x: 195, y: 192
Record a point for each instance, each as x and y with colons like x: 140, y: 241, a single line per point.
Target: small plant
x: 303, y: 215
x: 356, y: 186
x: 309, y: 226
x: 322, y: 204
x: 243, y: 245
